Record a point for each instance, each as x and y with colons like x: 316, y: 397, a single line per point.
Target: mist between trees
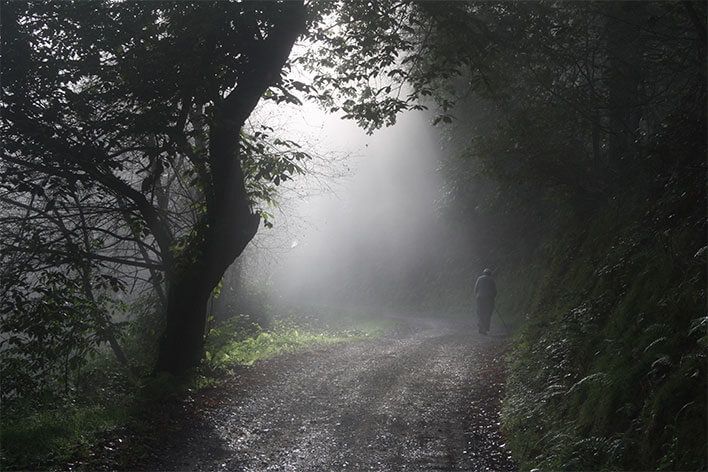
x: 170, y: 165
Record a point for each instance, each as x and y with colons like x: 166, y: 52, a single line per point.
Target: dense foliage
x: 609, y: 371
x: 127, y: 166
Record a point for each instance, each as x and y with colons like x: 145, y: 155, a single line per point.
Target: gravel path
x: 425, y: 398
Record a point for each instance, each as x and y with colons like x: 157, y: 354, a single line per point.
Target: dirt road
x: 426, y: 398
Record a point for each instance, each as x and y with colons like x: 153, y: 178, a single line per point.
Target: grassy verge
x: 230, y: 346
x: 266, y: 345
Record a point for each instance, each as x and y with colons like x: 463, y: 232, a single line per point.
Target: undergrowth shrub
x: 609, y: 371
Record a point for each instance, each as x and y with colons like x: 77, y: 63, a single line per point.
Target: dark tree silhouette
x: 110, y: 97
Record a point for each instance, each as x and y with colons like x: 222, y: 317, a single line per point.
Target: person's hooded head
x: 487, y: 271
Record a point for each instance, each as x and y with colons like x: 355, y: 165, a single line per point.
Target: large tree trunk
x: 182, y: 341
x: 225, y: 238
x: 229, y: 223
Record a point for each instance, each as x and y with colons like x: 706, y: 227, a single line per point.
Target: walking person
x: 485, y: 291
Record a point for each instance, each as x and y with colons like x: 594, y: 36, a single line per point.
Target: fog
x: 359, y: 230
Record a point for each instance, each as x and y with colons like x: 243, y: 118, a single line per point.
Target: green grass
x: 55, y: 436
x: 268, y: 344
x: 228, y: 346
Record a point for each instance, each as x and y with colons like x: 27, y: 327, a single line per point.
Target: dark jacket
x: 485, y: 287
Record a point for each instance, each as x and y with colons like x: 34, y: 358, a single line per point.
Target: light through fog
x: 355, y: 233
